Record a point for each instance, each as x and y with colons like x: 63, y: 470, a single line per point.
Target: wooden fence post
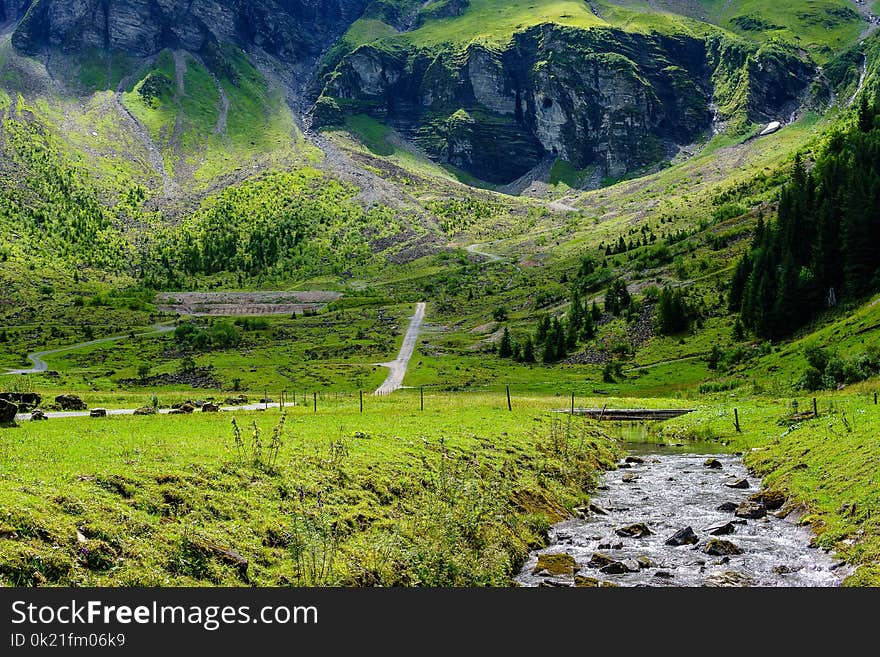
x: 362, y: 400
x: 422, y: 396
x: 815, y: 408
x: 315, y: 399
x: 736, y: 420
x: 572, y: 404
x: 509, y: 406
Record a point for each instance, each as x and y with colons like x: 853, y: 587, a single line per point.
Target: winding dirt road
x: 40, y: 365
x: 398, y: 367
x: 475, y: 250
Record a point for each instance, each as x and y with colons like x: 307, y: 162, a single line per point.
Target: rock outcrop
x: 291, y: 30
x: 599, y: 97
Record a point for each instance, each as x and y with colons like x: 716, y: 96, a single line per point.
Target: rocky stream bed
x: 683, y: 519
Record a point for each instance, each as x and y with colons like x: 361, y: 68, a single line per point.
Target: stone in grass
x: 98, y: 412
x: 684, y: 536
x: 555, y: 564
x: 751, y: 511
x: 737, y: 483
x: 146, y: 410
x: 637, y: 530
x: 713, y: 464
x: 720, y: 548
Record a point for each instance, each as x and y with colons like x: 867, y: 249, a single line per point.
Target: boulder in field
x: 24, y: 400
x: 684, y: 536
x: 720, y: 548
x: 70, y: 403
x: 98, y: 412
x: 8, y: 411
x: 751, y: 511
x: 146, y: 410
x: 38, y: 416
x: 210, y: 408
x: 637, y: 530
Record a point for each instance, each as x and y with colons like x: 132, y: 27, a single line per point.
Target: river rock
x: 644, y: 562
x: 634, y: 459
x: 728, y: 578
x: 596, y: 509
x: 684, y: 536
x: 632, y: 565
x: 771, y: 499
x: 664, y: 574
x: 793, y: 513
x: 727, y: 507
x: 737, y: 483
x: 750, y: 511
x: 8, y: 411
x: 582, y: 582
x: 555, y: 564
x: 70, y: 403
x: 629, y: 477
x: 614, y: 568
x: 600, y: 560
x: 721, y: 528
x: 611, y: 546
x: 713, y: 464
x: 555, y: 583
x: 637, y: 530
x: 720, y: 548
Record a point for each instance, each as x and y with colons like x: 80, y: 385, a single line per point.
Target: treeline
x: 823, y: 246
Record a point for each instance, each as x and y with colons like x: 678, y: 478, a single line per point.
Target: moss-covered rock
x: 555, y: 564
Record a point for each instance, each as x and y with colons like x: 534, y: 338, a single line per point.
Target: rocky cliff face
x: 591, y: 97
x: 11, y: 10
x: 291, y: 30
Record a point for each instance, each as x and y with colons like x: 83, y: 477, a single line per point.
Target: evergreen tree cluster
x: 673, y: 312
x: 823, y: 246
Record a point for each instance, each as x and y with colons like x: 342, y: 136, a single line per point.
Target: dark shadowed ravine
x: 669, y: 491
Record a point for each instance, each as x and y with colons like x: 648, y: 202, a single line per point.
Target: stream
x: 668, y: 489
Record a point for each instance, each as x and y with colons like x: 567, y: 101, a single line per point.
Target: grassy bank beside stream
x: 453, y: 495
x: 830, y: 463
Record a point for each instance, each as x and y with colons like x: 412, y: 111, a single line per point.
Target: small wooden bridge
x: 631, y: 414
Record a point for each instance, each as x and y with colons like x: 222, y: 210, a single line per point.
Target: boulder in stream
x: 771, y: 499
x: 721, y: 528
x: 713, y: 464
x: 720, y: 548
x: 728, y: 578
x: 637, y: 530
x: 727, y: 507
x: 555, y: 564
x: 684, y: 536
x: 750, y: 511
x: 737, y: 483
x: 634, y: 459
x: 629, y: 477
x: 614, y: 568
x: 582, y: 582
x: 644, y: 562
x: 600, y: 560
